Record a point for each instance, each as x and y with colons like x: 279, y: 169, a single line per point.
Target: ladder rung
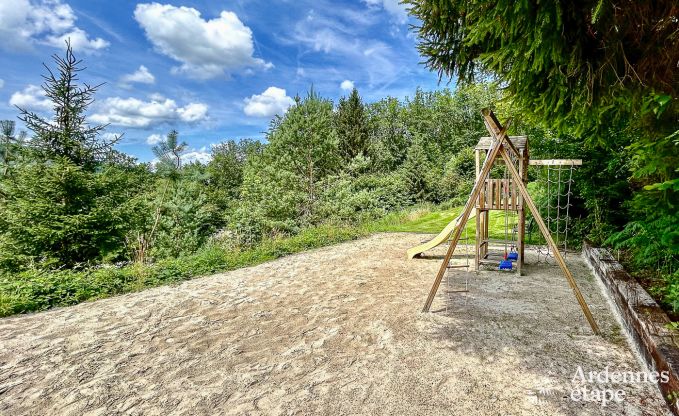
x: 496, y: 255
x: 455, y: 266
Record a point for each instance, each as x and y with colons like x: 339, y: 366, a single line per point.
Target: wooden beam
x: 499, y: 133
x: 555, y: 162
x: 477, y: 246
x: 471, y: 202
x: 492, y: 125
x: 527, y: 200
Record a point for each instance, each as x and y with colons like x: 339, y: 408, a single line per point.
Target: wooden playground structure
x: 508, y: 194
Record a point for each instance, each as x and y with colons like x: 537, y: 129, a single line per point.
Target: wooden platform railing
x: 499, y: 194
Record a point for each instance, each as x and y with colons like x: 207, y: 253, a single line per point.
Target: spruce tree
x: 64, y: 203
x: 573, y: 64
x: 67, y: 135
x: 352, y: 126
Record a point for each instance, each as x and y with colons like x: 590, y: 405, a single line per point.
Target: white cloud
x: 323, y: 34
x: 205, y: 48
x: 132, y: 112
x: 201, y: 155
x: 269, y: 103
x: 347, y: 85
x: 193, y: 112
x: 141, y: 76
x: 396, y: 10
x: 27, y: 22
x: 79, y: 41
x: 32, y: 98
x: 156, y: 96
x: 154, y: 139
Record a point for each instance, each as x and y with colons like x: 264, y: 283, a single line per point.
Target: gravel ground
x: 331, y: 331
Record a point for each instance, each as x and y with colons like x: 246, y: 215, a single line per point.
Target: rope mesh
x: 558, y: 210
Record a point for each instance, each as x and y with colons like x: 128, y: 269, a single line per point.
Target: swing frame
x: 502, y: 146
x: 500, y: 195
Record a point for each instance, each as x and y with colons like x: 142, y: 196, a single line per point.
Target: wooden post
x: 471, y: 203
x: 545, y: 232
x: 477, y: 243
x: 521, y: 233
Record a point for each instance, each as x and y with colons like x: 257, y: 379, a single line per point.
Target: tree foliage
x: 352, y: 126
x: 570, y: 63
x: 67, y: 135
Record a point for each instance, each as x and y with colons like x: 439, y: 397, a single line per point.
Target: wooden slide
x: 439, y: 239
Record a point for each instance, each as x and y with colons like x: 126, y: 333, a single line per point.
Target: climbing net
x: 558, y: 203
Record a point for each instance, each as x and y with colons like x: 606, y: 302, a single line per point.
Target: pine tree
x: 304, y: 143
x: 352, y: 126
x: 169, y: 154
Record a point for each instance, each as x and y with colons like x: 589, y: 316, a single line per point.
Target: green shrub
x: 36, y: 290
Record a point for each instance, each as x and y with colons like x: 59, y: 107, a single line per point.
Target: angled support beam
x: 471, y: 203
x: 527, y: 200
x: 499, y: 134
x: 492, y: 125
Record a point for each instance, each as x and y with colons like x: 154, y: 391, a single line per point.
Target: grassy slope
x: 433, y: 222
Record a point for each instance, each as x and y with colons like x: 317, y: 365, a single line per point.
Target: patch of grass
x: 433, y: 221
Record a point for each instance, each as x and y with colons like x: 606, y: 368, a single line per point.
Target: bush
x: 58, y: 214
x: 36, y: 290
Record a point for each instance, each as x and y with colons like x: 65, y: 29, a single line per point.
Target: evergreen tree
x: 168, y: 167
x: 418, y: 171
x: 10, y: 145
x: 573, y: 64
x: 169, y: 153
x: 389, y: 139
x: 64, y: 205
x: 304, y: 143
x: 67, y: 135
x: 352, y: 126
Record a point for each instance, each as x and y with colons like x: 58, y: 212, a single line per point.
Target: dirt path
x: 331, y: 331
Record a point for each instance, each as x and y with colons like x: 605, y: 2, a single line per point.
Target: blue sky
x: 212, y: 70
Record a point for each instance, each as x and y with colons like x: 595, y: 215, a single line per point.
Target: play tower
x: 504, y: 188
x: 501, y: 194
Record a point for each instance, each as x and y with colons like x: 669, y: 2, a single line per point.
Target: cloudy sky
x: 213, y: 70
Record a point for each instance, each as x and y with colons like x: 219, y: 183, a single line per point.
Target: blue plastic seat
x: 505, y: 265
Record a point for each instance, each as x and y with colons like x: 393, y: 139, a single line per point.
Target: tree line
x: 68, y: 199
